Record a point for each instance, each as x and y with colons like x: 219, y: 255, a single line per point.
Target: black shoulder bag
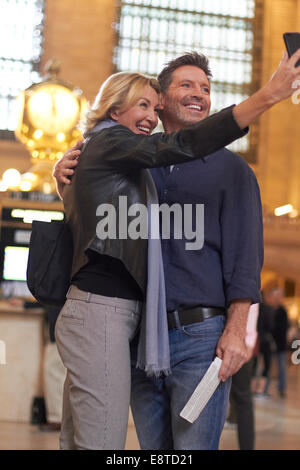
x: 50, y: 262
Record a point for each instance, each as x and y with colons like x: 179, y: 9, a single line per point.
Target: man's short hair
x: 189, y: 58
x: 276, y: 289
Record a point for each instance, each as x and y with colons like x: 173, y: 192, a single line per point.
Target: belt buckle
x: 173, y: 319
x: 193, y: 315
x: 175, y: 314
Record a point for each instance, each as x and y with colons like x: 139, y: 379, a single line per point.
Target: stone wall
x: 80, y: 35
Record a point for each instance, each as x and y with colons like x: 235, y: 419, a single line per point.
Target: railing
x: 282, y: 231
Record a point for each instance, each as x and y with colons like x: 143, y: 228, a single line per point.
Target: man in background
x: 279, y: 331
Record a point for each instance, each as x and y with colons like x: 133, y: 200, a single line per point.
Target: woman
x: 103, y: 307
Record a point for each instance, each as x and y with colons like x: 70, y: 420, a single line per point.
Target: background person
x: 265, y: 348
x: 241, y: 403
x: 54, y: 372
x: 279, y: 332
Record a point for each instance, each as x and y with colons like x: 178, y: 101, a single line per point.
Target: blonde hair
x: 119, y: 92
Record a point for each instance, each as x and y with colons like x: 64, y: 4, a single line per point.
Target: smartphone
x: 292, y: 44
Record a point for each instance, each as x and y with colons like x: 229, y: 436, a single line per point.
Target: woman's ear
x: 114, y: 114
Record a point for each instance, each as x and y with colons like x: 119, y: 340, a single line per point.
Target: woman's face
x: 142, y: 117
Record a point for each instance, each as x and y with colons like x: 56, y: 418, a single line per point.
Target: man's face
x: 187, y: 99
x: 275, y: 298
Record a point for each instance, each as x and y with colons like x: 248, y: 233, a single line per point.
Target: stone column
x: 279, y: 144
x: 80, y: 35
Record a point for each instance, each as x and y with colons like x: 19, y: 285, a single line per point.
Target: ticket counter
x: 21, y: 331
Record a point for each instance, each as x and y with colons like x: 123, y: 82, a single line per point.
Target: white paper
x: 203, y: 392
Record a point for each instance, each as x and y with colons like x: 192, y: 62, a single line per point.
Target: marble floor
x: 277, y: 425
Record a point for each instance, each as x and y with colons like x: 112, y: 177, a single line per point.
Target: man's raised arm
x: 64, y: 168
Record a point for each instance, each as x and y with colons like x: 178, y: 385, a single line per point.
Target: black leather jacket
x: 113, y: 164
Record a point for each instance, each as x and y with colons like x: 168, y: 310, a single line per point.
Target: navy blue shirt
x: 228, y: 265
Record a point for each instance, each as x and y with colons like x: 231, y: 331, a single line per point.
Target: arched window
x: 151, y: 32
x: 21, y: 37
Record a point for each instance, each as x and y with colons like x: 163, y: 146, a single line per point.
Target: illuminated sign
x: 28, y: 215
x: 15, y: 263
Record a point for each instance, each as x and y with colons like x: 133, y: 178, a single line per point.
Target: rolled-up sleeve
x: 242, y: 236
x: 251, y: 328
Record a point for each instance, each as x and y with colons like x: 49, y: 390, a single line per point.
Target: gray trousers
x: 92, y: 335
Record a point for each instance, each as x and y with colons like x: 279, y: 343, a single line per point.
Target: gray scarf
x: 153, y: 348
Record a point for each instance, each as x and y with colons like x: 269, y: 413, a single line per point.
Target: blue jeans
x: 157, y: 402
x: 282, y: 365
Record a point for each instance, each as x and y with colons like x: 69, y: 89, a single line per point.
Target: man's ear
x: 162, y: 101
x: 161, y: 105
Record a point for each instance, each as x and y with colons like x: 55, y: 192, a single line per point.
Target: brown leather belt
x: 192, y: 315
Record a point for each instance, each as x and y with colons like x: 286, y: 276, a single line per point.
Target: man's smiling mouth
x: 197, y: 107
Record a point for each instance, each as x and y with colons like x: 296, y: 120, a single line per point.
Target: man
x: 54, y: 371
x: 207, y: 288
x: 265, y: 344
x: 241, y: 404
x: 223, y: 274
x: 279, y: 330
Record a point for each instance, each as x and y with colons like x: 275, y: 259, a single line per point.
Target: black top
x: 280, y: 327
x: 105, y: 275
x: 265, y: 323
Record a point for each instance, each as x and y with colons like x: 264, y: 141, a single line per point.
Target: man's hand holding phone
x: 292, y: 44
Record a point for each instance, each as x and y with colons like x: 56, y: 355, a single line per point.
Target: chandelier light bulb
x: 11, y: 177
